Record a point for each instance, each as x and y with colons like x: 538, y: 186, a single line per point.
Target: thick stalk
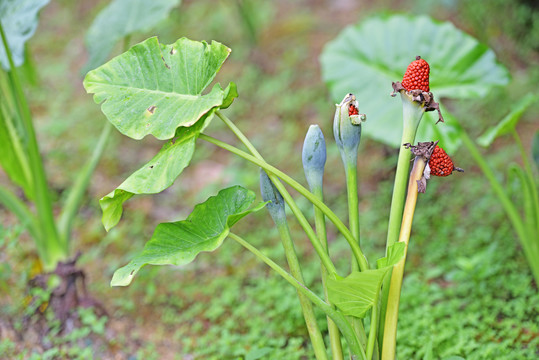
x: 353, y: 204
x: 412, y: 114
x: 346, y: 329
x: 392, y: 312
x: 373, y: 331
x: 356, y: 250
x: 317, y: 339
x: 320, y: 224
x: 55, y: 251
x: 303, y: 191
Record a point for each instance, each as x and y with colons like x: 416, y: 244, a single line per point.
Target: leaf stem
x: 74, y: 198
x: 55, y: 251
x: 356, y: 250
x: 506, y: 202
x: 317, y: 339
x: 272, y: 172
x: 320, y: 224
x: 392, y: 311
x: 335, y: 315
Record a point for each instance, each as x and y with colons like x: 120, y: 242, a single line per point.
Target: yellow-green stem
x: 392, y: 310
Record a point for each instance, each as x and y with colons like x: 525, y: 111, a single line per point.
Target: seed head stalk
x: 392, y: 310
x: 412, y: 114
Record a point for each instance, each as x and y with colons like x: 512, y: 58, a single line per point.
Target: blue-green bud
x: 275, y: 205
x: 314, y: 156
x: 347, y: 128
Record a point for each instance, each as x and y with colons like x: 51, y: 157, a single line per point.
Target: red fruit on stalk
x: 440, y: 163
x: 417, y: 75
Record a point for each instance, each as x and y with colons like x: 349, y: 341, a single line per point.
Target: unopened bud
x: 275, y: 200
x: 314, y: 156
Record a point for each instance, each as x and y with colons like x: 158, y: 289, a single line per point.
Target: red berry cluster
x: 440, y: 163
x: 352, y: 110
x: 417, y: 75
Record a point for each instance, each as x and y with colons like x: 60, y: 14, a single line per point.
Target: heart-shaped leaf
x: 367, y: 57
x: 154, y: 88
x: 155, y: 176
x: 119, y: 19
x: 204, y: 229
x: 19, y: 20
x: 509, y: 122
x: 357, y: 293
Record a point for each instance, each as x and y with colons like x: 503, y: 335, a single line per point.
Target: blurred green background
x: 468, y: 292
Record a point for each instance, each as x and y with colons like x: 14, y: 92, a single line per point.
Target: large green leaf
x: 119, y: 19
x: 154, y: 88
x: 19, y: 20
x: 357, y: 293
x: 155, y: 176
x: 509, y: 122
x: 367, y: 57
x: 204, y: 229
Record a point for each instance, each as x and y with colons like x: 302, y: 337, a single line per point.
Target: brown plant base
x: 69, y: 295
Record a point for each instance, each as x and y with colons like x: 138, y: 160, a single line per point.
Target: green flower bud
x: 347, y: 128
x: 275, y: 205
x: 314, y: 156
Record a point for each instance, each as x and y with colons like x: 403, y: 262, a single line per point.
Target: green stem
x: 531, y: 181
x: 506, y: 202
x: 55, y: 251
x: 80, y: 186
x: 412, y: 114
x: 353, y: 204
x: 21, y: 211
x: 272, y: 172
x: 320, y: 224
x: 336, y: 316
x: 392, y: 310
x: 373, y: 331
x: 295, y: 269
x: 356, y: 250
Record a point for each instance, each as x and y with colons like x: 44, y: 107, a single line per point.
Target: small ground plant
x: 156, y: 89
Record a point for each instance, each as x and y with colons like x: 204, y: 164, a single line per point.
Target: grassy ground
x: 467, y: 294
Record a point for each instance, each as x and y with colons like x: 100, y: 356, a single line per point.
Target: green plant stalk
x: 55, y: 251
x: 320, y: 224
x: 412, y: 114
x: 6, y: 118
x: 272, y: 172
x: 506, y: 202
x: 534, y: 221
x: 80, y: 186
x: 17, y: 207
x: 317, y: 340
x: 392, y: 313
x: 353, y: 224
x: 345, y: 327
x: 353, y: 203
x: 356, y: 250
x: 373, y: 331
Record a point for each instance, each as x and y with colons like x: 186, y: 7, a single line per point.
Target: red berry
x: 417, y: 75
x: 440, y: 163
x: 352, y: 110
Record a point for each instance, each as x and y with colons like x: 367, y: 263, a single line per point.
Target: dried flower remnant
x: 438, y: 163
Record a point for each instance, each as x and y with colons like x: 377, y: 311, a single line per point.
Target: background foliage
x: 468, y: 294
